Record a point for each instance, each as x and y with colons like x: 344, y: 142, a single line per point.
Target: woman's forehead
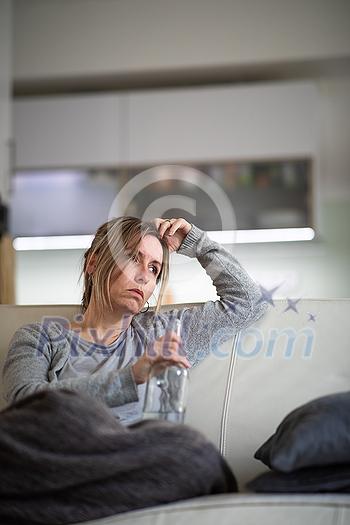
x: 150, y: 246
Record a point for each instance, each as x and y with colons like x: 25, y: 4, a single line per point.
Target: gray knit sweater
x: 38, y: 351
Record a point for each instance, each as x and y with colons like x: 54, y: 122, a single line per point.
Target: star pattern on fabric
x: 266, y: 295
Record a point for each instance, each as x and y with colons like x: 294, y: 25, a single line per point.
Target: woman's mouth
x: 138, y: 292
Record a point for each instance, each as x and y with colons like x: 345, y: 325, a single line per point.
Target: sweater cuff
x: 128, y: 385
x: 188, y: 246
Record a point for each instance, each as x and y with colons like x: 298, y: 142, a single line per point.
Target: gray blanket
x: 64, y: 458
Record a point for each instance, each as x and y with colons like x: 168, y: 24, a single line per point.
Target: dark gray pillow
x: 315, y: 434
x: 318, y: 479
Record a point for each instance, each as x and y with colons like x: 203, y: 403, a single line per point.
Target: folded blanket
x: 64, y: 458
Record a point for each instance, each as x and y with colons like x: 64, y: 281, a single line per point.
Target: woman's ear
x: 91, y: 264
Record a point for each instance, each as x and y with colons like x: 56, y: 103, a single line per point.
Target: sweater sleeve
x: 37, y: 352
x: 206, y: 326
x: 239, y: 294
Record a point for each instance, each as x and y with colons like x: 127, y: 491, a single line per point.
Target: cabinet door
x: 217, y: 123
x: 71, y: 131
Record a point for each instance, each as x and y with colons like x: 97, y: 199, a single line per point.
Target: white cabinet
x: 67, y: 131
x: 217, y: 123
x: 247, y: 122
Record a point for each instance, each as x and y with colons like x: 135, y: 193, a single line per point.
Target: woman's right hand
x: 166, y: 351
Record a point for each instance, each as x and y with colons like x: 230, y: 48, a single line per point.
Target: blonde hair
x: 109, y: 248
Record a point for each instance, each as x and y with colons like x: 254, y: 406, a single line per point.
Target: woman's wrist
x: 190, y: 241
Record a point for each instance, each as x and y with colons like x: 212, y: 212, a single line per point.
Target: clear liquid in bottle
x: 167, y: 389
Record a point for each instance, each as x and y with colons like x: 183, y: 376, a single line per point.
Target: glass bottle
x: 167, y: 389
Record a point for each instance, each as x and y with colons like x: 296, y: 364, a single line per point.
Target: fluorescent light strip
x: 259, y: 236
x: 57, y: 242
x: 74, y: 242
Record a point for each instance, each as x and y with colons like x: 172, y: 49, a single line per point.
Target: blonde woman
x: 73, y: 428
x: 108, y: 351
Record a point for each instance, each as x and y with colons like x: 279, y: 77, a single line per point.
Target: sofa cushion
x: 315, y: 434
x: 318, y: 479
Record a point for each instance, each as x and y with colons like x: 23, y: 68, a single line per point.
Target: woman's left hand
x: 164, y: 352
x: 173, y: 230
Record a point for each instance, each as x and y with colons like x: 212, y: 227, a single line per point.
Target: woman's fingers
x: 163, y: 225
x: 164, y: 351
x: 173, y: 230
x: 168, y: 348
x: 171, y: 226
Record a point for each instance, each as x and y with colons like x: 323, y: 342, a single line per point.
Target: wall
x: 5, y: 93
x: 335, y: 139
x: 67, y: 40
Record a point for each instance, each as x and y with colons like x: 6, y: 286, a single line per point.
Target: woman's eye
x: 154, y: 270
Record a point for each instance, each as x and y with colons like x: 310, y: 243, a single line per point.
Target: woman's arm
x: 206, y: 326
x: 36, y: 354
x: 240, y: 296
x: 240, y: 302
x: 38, y: 351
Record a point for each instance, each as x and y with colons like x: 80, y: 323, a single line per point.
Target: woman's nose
x: 142, y: 275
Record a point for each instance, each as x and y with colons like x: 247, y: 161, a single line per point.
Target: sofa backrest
x: 14, y: 316
x: 297, y: 351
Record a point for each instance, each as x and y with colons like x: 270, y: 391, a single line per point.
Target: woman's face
x: 131, y: 288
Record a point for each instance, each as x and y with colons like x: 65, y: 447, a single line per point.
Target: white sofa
x: 298, y: 351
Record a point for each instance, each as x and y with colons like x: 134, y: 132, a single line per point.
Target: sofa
x: 298, y: 352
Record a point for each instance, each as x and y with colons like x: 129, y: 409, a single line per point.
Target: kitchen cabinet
x: 261, y: 121
x: 67, y: 131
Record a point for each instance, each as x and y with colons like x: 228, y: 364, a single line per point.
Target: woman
x: 108, y: 352
x: 77, y: 459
